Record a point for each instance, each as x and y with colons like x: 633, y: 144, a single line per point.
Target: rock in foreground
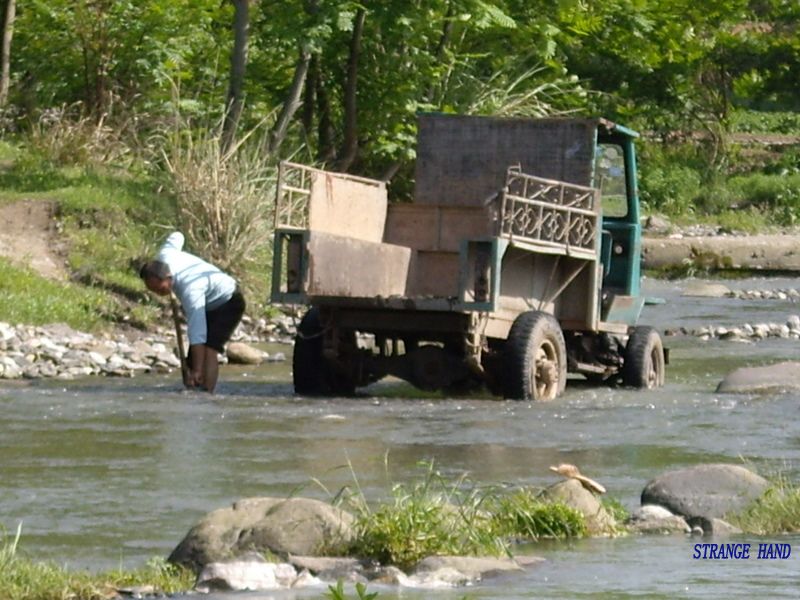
x: 278, y: 525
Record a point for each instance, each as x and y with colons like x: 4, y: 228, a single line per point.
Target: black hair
x: 156, y: 269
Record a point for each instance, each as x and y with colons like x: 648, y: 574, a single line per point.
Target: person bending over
x: 211, y: 301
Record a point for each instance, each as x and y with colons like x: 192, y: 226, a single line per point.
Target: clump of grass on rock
x: 436, y: 516
x: 777, y: 511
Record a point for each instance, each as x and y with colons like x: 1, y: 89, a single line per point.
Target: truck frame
x: 517, y: 262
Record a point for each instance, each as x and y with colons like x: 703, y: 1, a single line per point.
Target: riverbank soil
x: 29, y: 238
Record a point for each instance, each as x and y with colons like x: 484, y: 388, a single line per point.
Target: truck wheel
x: 535, y: 358
x: 308, y: 361
x: 644, y: 359
x: 312, y: 373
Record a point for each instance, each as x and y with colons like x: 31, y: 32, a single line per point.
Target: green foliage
x: 31, y: 299
x: 24, y: 579
x: 777, y: 511
x: 523, y: 514
x: 437, y: 516
x: 337, y: 592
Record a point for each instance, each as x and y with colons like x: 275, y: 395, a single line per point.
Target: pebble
x: 35, y: 352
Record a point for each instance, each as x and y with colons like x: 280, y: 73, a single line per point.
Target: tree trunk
x: 235, y: 100
x: 350, y: 144
x: 9, y: 8
x: 292, y: 103
x: 326, y: 150
x: 307, y: 116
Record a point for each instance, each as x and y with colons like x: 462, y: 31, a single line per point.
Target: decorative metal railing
x: 560, y: 217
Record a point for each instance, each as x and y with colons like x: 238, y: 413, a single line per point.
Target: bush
x: 669, y: 189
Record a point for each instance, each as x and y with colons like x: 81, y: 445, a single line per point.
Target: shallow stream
x: 105, y: 473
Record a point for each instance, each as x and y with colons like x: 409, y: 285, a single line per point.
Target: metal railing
x: 556, y: 215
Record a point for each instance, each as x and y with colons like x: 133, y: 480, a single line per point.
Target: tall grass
x: 225, y: 197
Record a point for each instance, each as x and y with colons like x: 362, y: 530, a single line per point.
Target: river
x: 105, y: 473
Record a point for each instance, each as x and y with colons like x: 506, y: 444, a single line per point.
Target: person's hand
x: 194, y: 379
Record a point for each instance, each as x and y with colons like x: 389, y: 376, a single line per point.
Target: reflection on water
x: 105, y: 472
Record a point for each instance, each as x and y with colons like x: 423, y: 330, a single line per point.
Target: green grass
x: 25, y: 579
x: 109, y: 221
x: 439, y: 516
x: 31, y: 299
x: 777, y: 511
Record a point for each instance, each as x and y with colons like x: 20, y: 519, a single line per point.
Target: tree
x: 235, y: 99
x: 9, y: 9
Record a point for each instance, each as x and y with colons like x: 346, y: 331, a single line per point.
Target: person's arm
x: 194, y: 305
x: 197, y: 353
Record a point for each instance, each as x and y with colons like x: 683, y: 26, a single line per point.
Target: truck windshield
x: 609, y: 173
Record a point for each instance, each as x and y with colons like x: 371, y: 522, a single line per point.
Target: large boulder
x: 708, y: 491
x: 572, y: 493
x: 278, y: 525
x: 783, y: 376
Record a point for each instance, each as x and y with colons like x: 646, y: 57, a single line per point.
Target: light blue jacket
x: 199, y: 285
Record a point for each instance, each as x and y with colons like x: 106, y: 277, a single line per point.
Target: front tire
x: 534, y: 358
x: 644, y: 359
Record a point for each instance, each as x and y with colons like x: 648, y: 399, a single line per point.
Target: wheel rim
x: 653, y: 372
x: 545, y: 372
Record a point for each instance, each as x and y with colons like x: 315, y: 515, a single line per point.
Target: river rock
x: 652, y: 518
x: 472, y: 567
x: 708, y: 491
x: 248, y: 573
x: 784, y: 376
x: 240, y: 353
x: 704, y: 289
x: 301, y: 526
x: 714, y: 527
x: 572, y: 493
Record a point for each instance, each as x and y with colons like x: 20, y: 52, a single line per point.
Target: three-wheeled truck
x: 517, y: 262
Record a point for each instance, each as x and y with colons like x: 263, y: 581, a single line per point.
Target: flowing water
x: 105, y: 473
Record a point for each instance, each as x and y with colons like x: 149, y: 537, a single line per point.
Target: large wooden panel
x: 351, y: 268
x: 429, y: 227
x: 434, y: 274
x: 462, y: 160
x: 347, y: 207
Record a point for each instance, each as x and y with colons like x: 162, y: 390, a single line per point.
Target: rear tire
x: 644, y: 359
x: 534, y: 358
x: 312, y: 373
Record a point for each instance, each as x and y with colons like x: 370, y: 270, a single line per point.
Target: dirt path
x: 28, y: 237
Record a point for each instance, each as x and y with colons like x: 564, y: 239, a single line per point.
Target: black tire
x: 308, y: 363
x: 534, y: 358
x: 312, y: 373
x: 644, y: 359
